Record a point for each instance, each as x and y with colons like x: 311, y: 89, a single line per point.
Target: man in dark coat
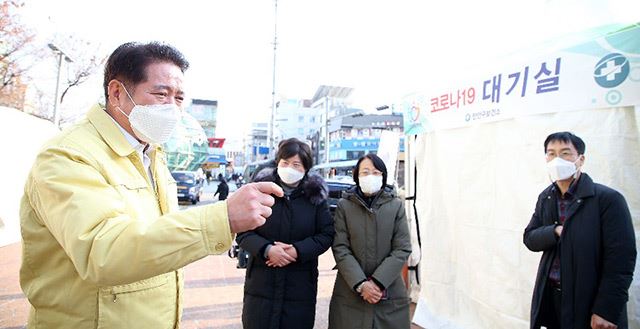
x: 223, y: 188
x: 585, y: 232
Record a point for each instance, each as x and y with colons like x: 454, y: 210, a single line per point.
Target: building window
x: 301, y: 118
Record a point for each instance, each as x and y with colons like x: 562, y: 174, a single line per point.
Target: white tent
x: 481, y: 167
x: 22, y: 135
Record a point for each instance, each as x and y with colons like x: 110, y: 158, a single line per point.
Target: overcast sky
x: 382, y: 49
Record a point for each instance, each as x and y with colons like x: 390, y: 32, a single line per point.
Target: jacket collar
x: 312, y: 185
x: 585, y: 188
x: 387, y: 194
x: 109, y: 131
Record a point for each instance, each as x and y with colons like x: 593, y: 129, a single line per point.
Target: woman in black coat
x: 281, y: 281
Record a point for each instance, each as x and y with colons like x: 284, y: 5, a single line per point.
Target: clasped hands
x: 281, y: 254
x: 370, y: 292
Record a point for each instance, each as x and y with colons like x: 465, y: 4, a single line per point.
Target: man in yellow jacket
x: 103, y: 239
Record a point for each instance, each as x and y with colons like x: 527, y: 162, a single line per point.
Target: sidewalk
x: 212, y: 298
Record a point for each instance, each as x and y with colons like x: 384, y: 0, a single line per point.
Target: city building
x: 234, y: 151
x: 295, y: 118
x: 256, y: 145
x: 308, y: 120
x: 236, y: 158
x: 191, y: 147
x: 353, y: 136
x: 206, y: 112
x: 329, y: 103
x: 216, y: 155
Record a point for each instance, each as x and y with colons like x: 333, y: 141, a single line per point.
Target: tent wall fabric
x: 477, y: 191
x: 22, y: 135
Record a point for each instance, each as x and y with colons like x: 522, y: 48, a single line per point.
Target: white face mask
x: 152, y: 124
x: 289, y: 176
x: 560, y: 169
x: 370, y: 184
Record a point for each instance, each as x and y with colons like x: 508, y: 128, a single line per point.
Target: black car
x: 189, y: 186
x: 336, y: 187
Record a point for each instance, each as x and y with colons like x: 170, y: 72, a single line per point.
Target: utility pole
x: 326, y: 129
x: 56, y: 103
x: 271, y: 134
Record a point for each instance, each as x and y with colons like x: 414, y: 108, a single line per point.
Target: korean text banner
x: 601, y: 73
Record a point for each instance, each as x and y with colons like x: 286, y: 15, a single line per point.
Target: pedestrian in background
x: 223, y: 188
x: 281, y: 282
x: 371, y: 245
x: 200, y: 175
x: 103, y: 238
x: 585, y: 232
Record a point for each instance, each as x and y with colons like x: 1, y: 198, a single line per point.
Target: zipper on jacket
x: 364, y: 204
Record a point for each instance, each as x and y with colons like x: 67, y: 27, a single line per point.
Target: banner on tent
x: 604, y: 72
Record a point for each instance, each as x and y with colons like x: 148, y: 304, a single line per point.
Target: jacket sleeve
x: 90, y: 220
x: 537, y: 236
x: 618, y: 257
x: 348, y: 266
x: 315, y: 245
x: 392, y: 265
x: 253, y: 242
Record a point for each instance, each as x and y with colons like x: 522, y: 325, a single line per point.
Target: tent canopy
x: 480, y: 161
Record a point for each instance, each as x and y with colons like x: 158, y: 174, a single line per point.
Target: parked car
x: 336, y: 169
x: 336, y: 187
x: 338, y: 176
x: 252, y: 168
x: 189, y: 186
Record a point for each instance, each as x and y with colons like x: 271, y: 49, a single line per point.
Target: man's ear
x: 114, y: 90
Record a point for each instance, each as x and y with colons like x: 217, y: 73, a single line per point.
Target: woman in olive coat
x: 371, y: 245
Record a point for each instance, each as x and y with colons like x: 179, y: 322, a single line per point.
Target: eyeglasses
x: 366, y: 172
x: 566, y: 155
x: 295, y: 165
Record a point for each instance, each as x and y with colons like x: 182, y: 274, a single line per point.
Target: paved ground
x: 213, y: 290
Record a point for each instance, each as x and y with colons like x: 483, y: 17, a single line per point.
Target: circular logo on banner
x: 415, y: 112
x: 611, y: 70
x: 613, y: 97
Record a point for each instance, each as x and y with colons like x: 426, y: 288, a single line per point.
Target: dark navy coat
x: 285, y: 297
x: 598, y: 254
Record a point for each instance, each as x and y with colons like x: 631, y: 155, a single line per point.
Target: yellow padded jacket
x: 103, y: 247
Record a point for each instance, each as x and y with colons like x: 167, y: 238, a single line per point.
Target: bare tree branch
x: 87, y: 58
x: 15, y: 44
